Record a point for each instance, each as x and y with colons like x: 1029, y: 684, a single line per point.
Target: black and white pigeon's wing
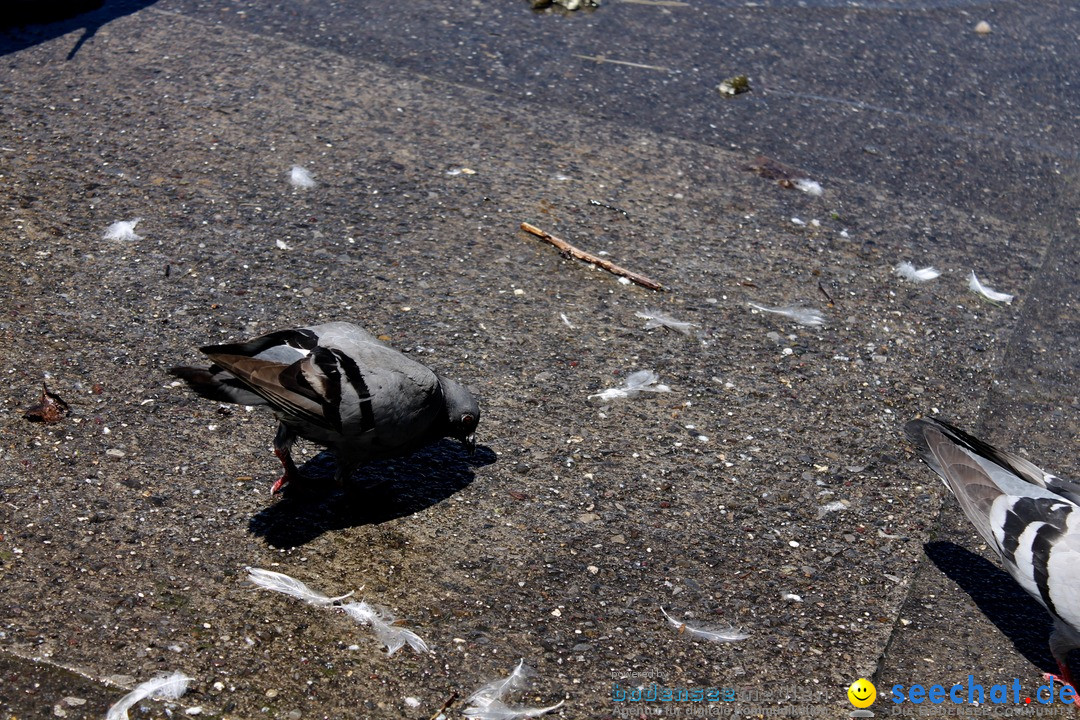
x: 1014, y: 506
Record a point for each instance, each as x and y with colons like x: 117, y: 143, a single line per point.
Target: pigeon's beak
x: 469, y: 441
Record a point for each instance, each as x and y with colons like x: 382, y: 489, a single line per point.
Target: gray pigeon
x: 1030, y: 517
x: 339, y: 386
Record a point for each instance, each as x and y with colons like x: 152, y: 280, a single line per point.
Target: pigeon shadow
x: 1015, y: 613
x: 378, y: 492
x: 25, y: 23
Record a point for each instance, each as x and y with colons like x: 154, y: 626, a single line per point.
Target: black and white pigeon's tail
x: 935, y: 437
x: 217, y: 383
x: 1029, y: 516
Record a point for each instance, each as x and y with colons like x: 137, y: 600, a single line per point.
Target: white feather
x: 808, y: 186
x: 566, y: 320
x: 986, y: 292
x: 123, y: 230
x: 711, y: 634
x: 641, y: 381
x: 801, y: 315
x: 487, y: 702
x: 908, y: 271
x: 382, y: 621
x: 169, y: 686
x: 279, y: 582
x: 379, y: 619
x: 658, y: 319
x: 300, y: 177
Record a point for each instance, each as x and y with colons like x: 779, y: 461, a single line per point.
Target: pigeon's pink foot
x: 280, y: 483
x: 1064, y: 680
x: 290, y: 474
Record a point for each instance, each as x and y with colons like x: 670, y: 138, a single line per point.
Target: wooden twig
x: 449, y: 701
x: 568, y: 249
x: 826, y: 293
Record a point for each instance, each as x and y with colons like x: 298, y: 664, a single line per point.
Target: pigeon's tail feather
x: 956, y: 456
x: 216, y: 383
x: 1012, y: 462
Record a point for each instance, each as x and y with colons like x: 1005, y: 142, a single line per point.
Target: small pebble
x: 982, y: 27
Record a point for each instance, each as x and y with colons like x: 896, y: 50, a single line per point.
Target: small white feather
x: 169, y: 686
x: 908, y: 271
x: 496, y: 689
x: 381, y: 622
x: 711, y: 634
x: 123, y: 230
x: 801, y: 315
x: 640, y: 381
x: 566, y: 320
x: 488, y: 703
x: 658, y: 319
x: 830, y: 507
x: 282, y: 583
x: 986, y: 292
x: 300, y: 177
x: 808, y: 186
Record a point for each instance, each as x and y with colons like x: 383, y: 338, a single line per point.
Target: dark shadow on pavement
x: 1015, y: 613
x: 376, y: 493
x: 25, y: 23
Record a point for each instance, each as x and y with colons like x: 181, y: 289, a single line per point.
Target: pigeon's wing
x: 283, y: 346
x: 290, y: 370
x: 218, y: 382
x: 1014, y: 506
x: 303, y: 389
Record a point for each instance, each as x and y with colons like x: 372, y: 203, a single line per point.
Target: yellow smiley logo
x: 862, y: 693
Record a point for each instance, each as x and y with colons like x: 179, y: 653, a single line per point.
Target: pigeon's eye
x: 468, y: 420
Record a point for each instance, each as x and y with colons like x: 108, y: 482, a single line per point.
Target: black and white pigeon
x: 1030, y: 517
x: 339, y: 386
